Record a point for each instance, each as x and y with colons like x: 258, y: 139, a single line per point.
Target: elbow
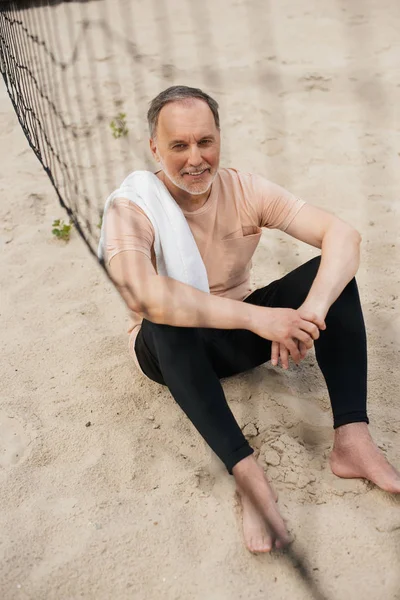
x: 356, y: 236
x: 356, y: 244
x: 353, y: 234
x: 149, y: 311
x: 135, y: 302
x: 343, y: 233
x: 139, y: 303
x: 139, y: 307
x: 145, y: 303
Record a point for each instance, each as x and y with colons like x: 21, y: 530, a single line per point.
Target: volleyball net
x: 81, y: 74
x: 60, y: 66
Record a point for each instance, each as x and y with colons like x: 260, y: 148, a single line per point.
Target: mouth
x: 197, y: 174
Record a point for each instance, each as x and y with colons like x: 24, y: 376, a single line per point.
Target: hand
x: 285, y: 326
x: 315, y: 315
x: 280, y: 351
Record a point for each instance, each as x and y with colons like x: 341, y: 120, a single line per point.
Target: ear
x: 153, y: 149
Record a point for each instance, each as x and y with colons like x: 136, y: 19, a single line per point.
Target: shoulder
x: 125, y: 207
x: 251, y: 191
x: 244, y: 180
x: 232, y: 175
x: 235, y: 184
x: 125, y: 215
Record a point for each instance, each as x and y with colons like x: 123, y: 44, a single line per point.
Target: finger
x: 310, y: 328
x: 284, y: 353
x: 310, y: 316
x: 275, y: 353
x: 305, y: 338
x: 302, y: 350
x: 293, y: 349
x: 320, y: 323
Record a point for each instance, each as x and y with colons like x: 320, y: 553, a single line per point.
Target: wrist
x: 255, y: 314
x: 317, y: 305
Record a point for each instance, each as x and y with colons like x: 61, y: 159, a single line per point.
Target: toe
x: 261, y: 546
x: 283, y: 541
x: 393, y: 487
x: 265, y: 545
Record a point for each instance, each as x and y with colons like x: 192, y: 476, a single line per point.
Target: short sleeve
x: 127, y: 228
x: 276, y: 207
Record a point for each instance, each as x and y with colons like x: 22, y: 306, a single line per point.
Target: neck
x: 186, y: 201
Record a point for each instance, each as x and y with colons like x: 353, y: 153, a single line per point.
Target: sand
x: 106, y: 489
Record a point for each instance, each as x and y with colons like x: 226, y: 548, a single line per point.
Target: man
x: 188, y: 340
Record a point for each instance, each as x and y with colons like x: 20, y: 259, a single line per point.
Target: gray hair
x: 178, y: 93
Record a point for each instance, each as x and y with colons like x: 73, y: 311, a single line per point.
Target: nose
x: 195, y: 156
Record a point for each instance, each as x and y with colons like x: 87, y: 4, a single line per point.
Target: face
x: 187, y: 145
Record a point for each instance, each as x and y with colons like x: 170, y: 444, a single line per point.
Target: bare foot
x: 355, y: 455
x: 263, y: 527
x: 257, y: 536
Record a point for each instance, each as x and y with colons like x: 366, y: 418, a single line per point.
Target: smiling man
x: 188, y: 340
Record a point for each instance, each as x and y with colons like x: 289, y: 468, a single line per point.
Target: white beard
x: 195, y: 189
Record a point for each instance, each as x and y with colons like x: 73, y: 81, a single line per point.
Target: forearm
x: 170, y: 302
x: 340, y: 260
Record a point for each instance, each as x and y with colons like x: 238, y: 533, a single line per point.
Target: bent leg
x: 341, y: 349
x: 180, y: 361
x: 341, y: 352
x: 178, y: 357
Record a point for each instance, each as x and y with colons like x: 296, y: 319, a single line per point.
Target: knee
x: 347, y: 307
x: 295, y: 286
x: 311, y: 268
x: 349, y: 294
x: 176, y: 337
x: 309, y: 272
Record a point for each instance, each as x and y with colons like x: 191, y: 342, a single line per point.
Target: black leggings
x: 190, y: 361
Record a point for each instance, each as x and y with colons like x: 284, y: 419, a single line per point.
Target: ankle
x: 246, y: 470
x: 247, y: 465
x: 350, y: 434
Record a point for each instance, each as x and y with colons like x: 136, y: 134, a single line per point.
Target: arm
x: 340, y: 257
x: 166, y: 301
x: 129, y: 239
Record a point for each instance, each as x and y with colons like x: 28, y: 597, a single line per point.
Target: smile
x: 196, y: 174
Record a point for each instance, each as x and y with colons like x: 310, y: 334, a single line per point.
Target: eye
x: 179, y: 146
x: 205, y: 142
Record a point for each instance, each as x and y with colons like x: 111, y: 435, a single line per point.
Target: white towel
x: 177, y: 254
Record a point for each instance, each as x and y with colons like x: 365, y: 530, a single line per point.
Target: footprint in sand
x: 273, y: 145
x: 13, y: 440
x: 38, y: 204
x: 315, y: 81
x: 204, y: 480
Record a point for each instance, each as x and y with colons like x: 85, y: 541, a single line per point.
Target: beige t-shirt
x: 227, y: 229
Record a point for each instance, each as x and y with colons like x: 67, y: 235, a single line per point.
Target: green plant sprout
x: 61, y: 230
x: 118, y: 126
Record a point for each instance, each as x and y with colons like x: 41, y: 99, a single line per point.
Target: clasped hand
x: 292, y: 333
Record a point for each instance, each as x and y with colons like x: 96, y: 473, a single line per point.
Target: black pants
x: 190, y: 361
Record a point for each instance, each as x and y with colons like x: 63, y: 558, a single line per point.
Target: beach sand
x: 106, y: 489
